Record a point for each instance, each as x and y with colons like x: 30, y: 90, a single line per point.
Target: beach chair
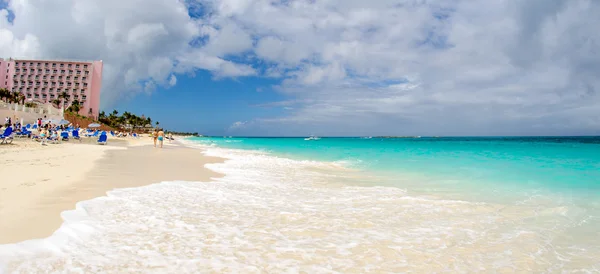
x: 7, y: 136
x: 53, y: 140
x: 23, y: 133
x: 102, y: 139
x: 64, y: 136
x: 75, y: 135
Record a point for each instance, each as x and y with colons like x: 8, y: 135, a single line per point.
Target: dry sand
x: 39, y: 182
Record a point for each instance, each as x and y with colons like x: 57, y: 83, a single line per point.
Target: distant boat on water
x: 312, y: 138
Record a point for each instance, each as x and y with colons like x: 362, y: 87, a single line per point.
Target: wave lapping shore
x: 268, y: 213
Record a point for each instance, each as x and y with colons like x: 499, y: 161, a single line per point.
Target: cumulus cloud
x: 349, y: 67
x: 140, y: 42
x: 426, y: 67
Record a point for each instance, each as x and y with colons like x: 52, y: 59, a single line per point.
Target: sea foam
x: 271, y: 214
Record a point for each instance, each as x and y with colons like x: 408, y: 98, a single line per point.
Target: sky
x: 330, y: 67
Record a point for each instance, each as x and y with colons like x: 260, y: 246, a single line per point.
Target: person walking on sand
x: 161, y: 137
x: 170, y: 137
x: 155, y: 136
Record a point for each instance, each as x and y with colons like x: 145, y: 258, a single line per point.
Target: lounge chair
x: 64, y: 136
x: 75, y: 134
x: 7, y: 136
x: 102, y: 139
x: 53, y: 140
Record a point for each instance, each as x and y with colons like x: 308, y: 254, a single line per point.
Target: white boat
x: 312, y: 138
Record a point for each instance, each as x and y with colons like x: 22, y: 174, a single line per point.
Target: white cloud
x: 238, y: 125
x: 172, y: 80
x: 427, y: 67
x: 140, y: 42
x: 348, y: 66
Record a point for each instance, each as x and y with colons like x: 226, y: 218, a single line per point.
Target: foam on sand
x: 270, y: 214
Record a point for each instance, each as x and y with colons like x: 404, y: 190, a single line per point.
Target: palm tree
x: 64, y: 96
x: 21, y: 98
x: 157, y: 123
x: 56, y: 102
x: 4, y: 93
x: 74, y: 107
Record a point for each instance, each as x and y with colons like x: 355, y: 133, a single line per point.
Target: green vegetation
x: 11, y: 96
x: 126, y: 120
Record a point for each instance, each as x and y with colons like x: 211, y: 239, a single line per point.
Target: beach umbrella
x: 60, y: 122
x: 94, y: 125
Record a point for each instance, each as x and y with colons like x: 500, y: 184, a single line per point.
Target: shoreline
x: 43, y: 181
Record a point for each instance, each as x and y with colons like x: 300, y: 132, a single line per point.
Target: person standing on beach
x: 155, y: 136
x: 161, y: 137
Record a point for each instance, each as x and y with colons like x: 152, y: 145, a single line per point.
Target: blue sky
x: 331, y: 67
x: 211, y: 106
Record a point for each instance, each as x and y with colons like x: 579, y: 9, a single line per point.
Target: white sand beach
x: 39, y: 182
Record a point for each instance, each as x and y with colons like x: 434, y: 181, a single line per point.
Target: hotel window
x: 52, y: 77
x: 85, y: 66
x: 31, y: 63
x: 39, y: 70
x: 76, y: 78
x: 85, y: 84
x: 87, y: 72
x: 53, y: 84
x: 68, y: 77
x: 77, y: 84
x: 18, y: 70
x: 83, y: 97
x: 45, y: 77
x: 82, y: 90
x: 28, y: 95
x: 45, y: 84
x: 32, y: 70
x: 84, y: 78
x: 54, y: 65
x: 44, y: 95
x: 37, y: 77
x: 77, y: 66
x: 60, y: 84
x: 69, y: 66
x: 69, y: 84
x: 70, y: 72
x: 46, y: 64
x: 55, y: 71
x: 28, y: 89
x: 51, y: 96
x: 47, y: 71
x: 62, y: 71
x: 35, y: 95
x: 62, y: 65
x: 38, y: 64
x: 78, y: 72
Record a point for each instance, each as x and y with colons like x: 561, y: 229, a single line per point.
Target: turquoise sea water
x: 505, y: 165
x: 344, y: 205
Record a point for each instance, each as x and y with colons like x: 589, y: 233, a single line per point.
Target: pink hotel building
x: 43, y: 80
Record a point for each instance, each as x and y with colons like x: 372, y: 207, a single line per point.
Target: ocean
x: 346, y: 205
